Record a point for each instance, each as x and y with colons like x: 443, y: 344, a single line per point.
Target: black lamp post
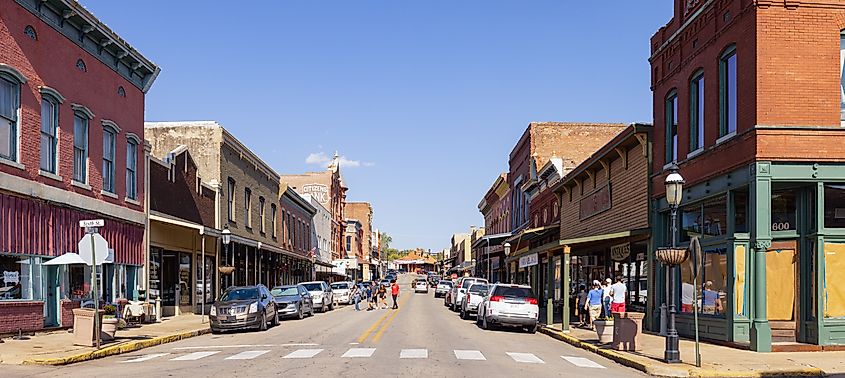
x: 507, y: 248
x: 671, y: 257
x: 227, y: 237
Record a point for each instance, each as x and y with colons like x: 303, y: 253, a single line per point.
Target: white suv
x: 321, y: 293
x: 421, y: 286
x: 460, y: 289
x: 509, y: 305
x: 473, y: 297
x: 342, y: 291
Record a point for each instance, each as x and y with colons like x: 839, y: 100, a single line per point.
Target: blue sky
x: 424, y: 99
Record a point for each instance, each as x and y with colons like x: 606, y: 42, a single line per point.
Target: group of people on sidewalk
x: 375, y: 295
x: 601, y: 301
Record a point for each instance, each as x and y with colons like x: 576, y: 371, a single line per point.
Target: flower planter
x: 109, y: 328
x: 604, y: 330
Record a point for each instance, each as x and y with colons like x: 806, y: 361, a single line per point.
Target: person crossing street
x: 394, y: 291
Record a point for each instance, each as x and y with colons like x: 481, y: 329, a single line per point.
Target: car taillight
x: 469, y: 298
x: 531, y: 300
x: 497, y: 298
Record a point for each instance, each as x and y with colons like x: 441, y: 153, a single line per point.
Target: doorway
x: 782, y: 290
x: 169, y: 283
x: 52, y: 304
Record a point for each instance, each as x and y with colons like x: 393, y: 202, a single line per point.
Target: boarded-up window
x: 739, y: 279
x: 834, y: 292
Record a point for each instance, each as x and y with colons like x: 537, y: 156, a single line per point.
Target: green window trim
x: 9, y: 112
x: 724, y: 91
x: 671, y: 126
x: 697, y: 111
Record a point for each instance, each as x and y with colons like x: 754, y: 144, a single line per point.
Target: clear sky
x: 424, y: 99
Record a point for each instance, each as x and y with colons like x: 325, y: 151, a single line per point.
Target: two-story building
x: 488, y: 250
x: 71, y: 148
x: 363, y: 213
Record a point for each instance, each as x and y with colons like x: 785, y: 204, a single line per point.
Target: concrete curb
x: 117, y: 349
x: 656, y: 369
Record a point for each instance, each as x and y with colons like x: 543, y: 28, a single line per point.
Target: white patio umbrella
x: 66, y: 259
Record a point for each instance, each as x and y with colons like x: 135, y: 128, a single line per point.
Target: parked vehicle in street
x: 293, y: 301
x: 243, y: 307
x: 322, y: 295
x: 385, y: 282
x: 509, y: 305
x: 442, y: 288
x: 473, y: 297
x: 460, y: 288
x: 421, y: 286
x: 342, y: 291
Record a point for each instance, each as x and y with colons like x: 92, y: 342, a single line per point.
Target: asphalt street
x: 422, y: 338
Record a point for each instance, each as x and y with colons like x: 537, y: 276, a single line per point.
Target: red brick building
x: 748, y: 102
x: 363, y: 213
x: 71, y: 148
x: 488, y: 250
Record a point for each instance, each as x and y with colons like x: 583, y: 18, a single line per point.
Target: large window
x: 49, y: 128
x: 834, y: 206
x: 15, y: 278
x: 348, y: 243
x: 712, y: 283
x: 273, y: 219
x: 108, y: 159
x: 784, y: 209
x: 727, y: 92
x: 9, y: 104
x: 672, y: 128
x: 132, y: 170
x: 231, y: 200
x: 80, y: 147
x: 697, y: 112
x: 842, y: 77
x: 704, y: 219
x: 261, y: 213
x: 248, y: 207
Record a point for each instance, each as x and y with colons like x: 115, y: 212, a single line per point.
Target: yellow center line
x: 387, y: 322
x: 367, y: 333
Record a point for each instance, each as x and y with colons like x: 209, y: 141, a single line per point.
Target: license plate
x: 227, y: 318
x: 513, y: 306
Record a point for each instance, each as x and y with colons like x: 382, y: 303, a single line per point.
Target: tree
x: 385, y: 241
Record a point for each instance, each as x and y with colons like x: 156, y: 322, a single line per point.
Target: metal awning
x: 491, y: 240
x: 532, y: 232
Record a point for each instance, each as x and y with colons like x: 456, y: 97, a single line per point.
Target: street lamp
x: 228, y: 269
x: 671, y: 257
x: 507, y: 247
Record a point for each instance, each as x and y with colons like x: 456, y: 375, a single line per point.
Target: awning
x: 538, y: 249
x: 66, y: 259
x: 491, y: 240
x: 604, y: 237
x: 532, y: 232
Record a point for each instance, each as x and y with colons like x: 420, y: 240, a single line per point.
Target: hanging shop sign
x: 528, y: 260
x: 596, y: 202
x: 620, y: 252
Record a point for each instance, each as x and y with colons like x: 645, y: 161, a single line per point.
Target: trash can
x: 83, y: 326
x: 626, y: 331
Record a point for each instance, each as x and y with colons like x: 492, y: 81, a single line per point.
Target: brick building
x: 71, y: 148
x: 488, y: 250
x: 363, y: 213
x: 297, y: 219
x: 183, y: 238
x: 763, y: 164
x: 354, y: 246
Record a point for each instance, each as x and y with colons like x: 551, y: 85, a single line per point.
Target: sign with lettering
x: 596, y: 202
x: 320, y: 192
x: 528, y: 260
x: 11, y: 277
x: 620, y: 252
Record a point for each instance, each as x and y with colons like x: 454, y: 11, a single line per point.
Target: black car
x: 243, y: 307
x: 293, y: 301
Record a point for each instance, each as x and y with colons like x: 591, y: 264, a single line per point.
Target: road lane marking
x: 526, y: 358
x: 359, y: 353
x: 372, y: 328
x: 413, y: 353
x: 354, y: 343
x: 226, y: 346
x: 582, y: 362
x: 247, y: 355
x: 194, y: 356
x: 299, y: 344
x: 303, y: 353
x: 384, y: 326
x: 469, y: 355
x: 146, y: 358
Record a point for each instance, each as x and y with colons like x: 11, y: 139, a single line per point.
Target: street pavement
x: 421, y: 338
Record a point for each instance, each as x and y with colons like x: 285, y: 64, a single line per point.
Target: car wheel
x: 331, y: 306
x: 463, y: 313
x: 275, y: 318
x: 300, y: 314
x: 478, y: 319
x: 262, y: 325
x: 215, y: 331
x: 484, y: 324
x: 533, y: 329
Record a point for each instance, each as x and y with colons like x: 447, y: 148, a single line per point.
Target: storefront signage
x: 528, y: 260
x: 11, y: 277
x: 620, y: 252
x: 596, y: 202
x: 494, y: 263
x: 320, y: 192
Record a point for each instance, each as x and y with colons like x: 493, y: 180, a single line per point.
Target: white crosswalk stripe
x: 194, y: 356
x: 303, y: 353
x: 469, y: 355
x: 582, y: 362
x: 359, y: 353
x: 248, y: 355
x: 413, y: 353
x: 147, y: 357
x: 526, y: 358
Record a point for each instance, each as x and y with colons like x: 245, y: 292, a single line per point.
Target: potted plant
x: 110, y: 322
x: 604, y: 329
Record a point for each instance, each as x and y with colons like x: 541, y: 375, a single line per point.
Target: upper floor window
x: 696, y: 92
x: 727, y: 92
x: 132, y: 169
x: 842, y: 76
x: 80, y: 147
x: 273, y: 213
x: 9, y: 106
x: 261, y: 214
x: 49, y: 129
x: 230, y: 205
x: 672, y: 128
x: 348, y: 243
x: 248, y: 207
x: 108, y: 159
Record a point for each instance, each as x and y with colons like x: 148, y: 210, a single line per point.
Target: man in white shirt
x: 619, y: 292
x: 606, y: 298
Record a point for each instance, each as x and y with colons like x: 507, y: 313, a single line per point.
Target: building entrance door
x: 782, y: 289
x: 169, y: 278
x: 52, y: 303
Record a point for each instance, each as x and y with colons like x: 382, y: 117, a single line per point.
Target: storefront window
x: 834, y: 206
x: 79, y: 288
x: 783, y: 210
x: 209, y: 280
x: 155, y: 273
x: 185, y: 290
x: 691, y: 222
x: 834, y: 293
x: 712, y: 283
x: 740, y: 199
x: 16, y: 277
x: 715, y: 217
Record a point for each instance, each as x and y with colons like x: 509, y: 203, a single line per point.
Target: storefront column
x: 564, y: 287
x: 550, y: 289
x: 761, y: 195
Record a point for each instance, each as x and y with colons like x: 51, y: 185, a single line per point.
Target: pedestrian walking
x: 619, y: 292
x: 382, y: 297
x: 394, y: 291
x: 370, y: 298
x: 594, y: 303
x: 606, y: 298
x: 356, y: 297
x: 582, y: 309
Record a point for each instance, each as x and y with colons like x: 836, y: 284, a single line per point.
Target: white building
x: 321, y: 236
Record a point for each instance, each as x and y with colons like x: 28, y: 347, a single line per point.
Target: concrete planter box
x: 83, y: 326
x: 626, y: 331
x: 604, y: 330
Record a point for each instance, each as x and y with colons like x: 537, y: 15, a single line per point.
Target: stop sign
x: 101, y: 245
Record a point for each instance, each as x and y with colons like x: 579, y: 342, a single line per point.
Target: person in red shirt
x: 394, y: 291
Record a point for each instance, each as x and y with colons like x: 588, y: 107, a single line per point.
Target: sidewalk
x: 716, y: 360
x: 56, y: 348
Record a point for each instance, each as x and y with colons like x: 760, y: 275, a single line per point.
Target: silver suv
x: 460, y: 289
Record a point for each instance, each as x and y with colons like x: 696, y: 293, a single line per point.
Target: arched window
x: 50, y: 100
x: 80, y: 65
x: 10, y: 92
x: 80, y: 146
x: 132, y: 166
x: 110, y: 132
x: 30, y: 32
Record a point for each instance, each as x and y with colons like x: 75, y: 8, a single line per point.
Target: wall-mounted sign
x: 320, y: 192
x: 620, y: 252
x: 596, y: 202
x: 11, y: 277
x: 528, y: 260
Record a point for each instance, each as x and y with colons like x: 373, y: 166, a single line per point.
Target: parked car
x: 293, y: 301
x: 421, y: 286
x: 442, y: 288
x: 460, y: 288
x: 385, y: 282
x: 322, y: 295
x: 243, y: 307
x: 433, y: 279
x: 509, y: 305
x: 342, y: 291
x: 473, y: 297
